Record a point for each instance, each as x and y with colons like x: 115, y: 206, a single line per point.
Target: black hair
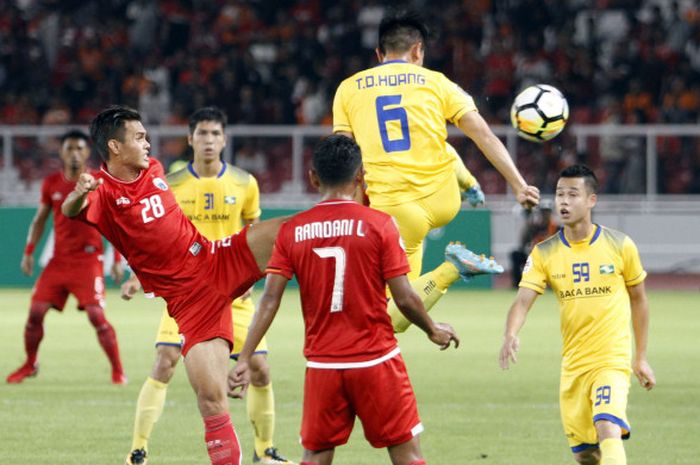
x: 400, y: 29
x: 207, y: 114
x: 75, y: 134
x: 582, y: 171
x: 110, y: 124
x: 336, y: 160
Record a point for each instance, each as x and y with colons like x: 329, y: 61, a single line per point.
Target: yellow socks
x: 261, y: 412
x: 465, y: 178
x: 430, y: 288
x: 148, y: 409
x: 612, y: 452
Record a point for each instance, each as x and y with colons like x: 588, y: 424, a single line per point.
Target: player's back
x: 397, y: 112
x: 342, y: 253
x: 74, y: 240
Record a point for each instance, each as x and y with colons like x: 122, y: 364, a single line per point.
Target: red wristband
x: 29, y: 249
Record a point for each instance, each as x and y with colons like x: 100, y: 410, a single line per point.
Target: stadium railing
x: 647, y: 169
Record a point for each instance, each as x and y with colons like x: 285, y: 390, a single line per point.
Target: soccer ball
x: 539, y: 113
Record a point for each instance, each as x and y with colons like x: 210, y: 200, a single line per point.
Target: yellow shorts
x: 596, y: 395
x: 243, y: 310
x: 416, y: 218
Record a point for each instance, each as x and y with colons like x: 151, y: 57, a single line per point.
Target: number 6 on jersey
x: 339, y: 281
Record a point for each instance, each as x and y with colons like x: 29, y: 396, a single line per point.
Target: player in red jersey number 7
x: 343, y: 255
x: 132, y: 205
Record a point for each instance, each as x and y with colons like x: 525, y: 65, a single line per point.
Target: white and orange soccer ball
x: 539, y: 113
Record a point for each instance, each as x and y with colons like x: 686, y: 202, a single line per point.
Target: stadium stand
x: 618, y: 62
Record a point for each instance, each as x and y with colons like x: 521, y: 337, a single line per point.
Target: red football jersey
x: 72, y: 240
x: 143, y: 221
x: 342, y: 253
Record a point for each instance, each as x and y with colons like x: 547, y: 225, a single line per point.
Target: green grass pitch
x: 472, y: 411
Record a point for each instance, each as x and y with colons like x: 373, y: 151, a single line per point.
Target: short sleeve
x: 457, y: 101
x: 632, y: 271
x: 251, y: 206
x: 45, y: 192
x: 280, y: 262
x: 394, y: 262
x: 341, y: 121
x: 92, y: 213
x: 534, y: 273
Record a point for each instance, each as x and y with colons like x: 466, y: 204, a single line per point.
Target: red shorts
x: 203, y: 312
x: 84, y: 279
x: 381, y: 396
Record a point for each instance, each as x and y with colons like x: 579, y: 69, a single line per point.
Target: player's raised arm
x: 77, y: 199
x: 412, y: 308
x: 516, y: 319
x: 474, y: 126
x: 36, y: 230
x: 640, y: 323
x: 239, y: 377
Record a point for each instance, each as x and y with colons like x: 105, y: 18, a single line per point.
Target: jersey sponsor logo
x: 607, y: 269
x: 528, y: 264
x: 207, y: 217
x: 123, y: 201
x: 160, y: 184
x: 195, y: 248
x: 230, y: 199
x: 56, y: 196
x: 594, y: 291
x: 559, y: 276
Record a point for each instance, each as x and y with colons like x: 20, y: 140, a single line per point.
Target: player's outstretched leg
x: 108, y: 340
x: 261, y: 238
x: 470, y: 264
x: 33, y: 334
x: 151, y: 401
x: 431, y: 286
x: 260, y: 403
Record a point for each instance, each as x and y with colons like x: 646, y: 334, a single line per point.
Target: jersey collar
x: 190, y: 167
x: 594, y: 238
x: 392, y: 61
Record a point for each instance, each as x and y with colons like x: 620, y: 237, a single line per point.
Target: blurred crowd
x: 617, y: 61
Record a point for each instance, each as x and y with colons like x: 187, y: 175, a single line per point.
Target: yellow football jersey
x: 589, y: 279
x: 397, y: 113
x: 217, y: 205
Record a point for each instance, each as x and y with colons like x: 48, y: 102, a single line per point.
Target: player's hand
x: 27, y: 264
x: 117, y: 272
x: 87, y: 183
x: 644, y: 373
x: 130, y: 287
x: 238, y: 380
x: 443, y: 335
x: 528, y: 197
x: 510, y: 347
x: 475, y: 196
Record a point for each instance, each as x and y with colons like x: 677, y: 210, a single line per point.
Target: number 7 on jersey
x: 338, y: 254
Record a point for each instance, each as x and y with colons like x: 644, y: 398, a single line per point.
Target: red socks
x: 34, y: 330
x: 221, y: 440
x: 418, y: 462
x: 106, y: 336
